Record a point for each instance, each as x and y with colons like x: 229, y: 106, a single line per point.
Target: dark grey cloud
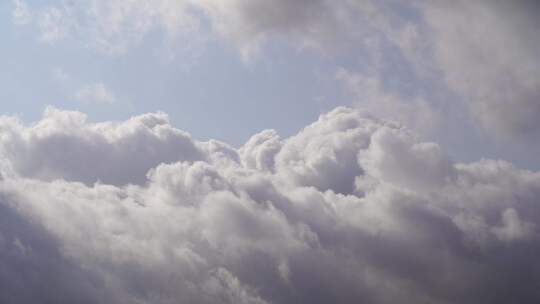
x: 351, y: 209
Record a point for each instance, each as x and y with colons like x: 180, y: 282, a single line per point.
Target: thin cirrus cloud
x: 352, y: 208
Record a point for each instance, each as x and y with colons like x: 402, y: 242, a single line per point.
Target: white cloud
x: 54, y: 25
x: 488, y: 51
x: 513, y: 228
x: 95, y: 93
x: 248, y: 23
x: 21, y: 14
x: 52, y: 148
x: 351, y: 209
x: 368, y: 93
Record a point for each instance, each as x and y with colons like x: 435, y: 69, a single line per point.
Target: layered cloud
x: 351, y: 209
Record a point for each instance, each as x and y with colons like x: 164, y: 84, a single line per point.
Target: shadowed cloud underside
x: 351, y: 209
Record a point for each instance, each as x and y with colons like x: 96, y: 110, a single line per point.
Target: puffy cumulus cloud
x: 351, y: 209
x: 396, y: 157
x: 260, y: 151
x: 63, y: 145
x: 323, y: 155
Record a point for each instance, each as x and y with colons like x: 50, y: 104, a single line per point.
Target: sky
x: 221, y: 73
x: 269, y: 151
x: 200, y: 79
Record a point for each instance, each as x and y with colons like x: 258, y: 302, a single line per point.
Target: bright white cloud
x: 351, y: 209
x: 95, y: 93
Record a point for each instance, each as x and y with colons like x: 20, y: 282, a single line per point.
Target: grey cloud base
x: 351, y: 209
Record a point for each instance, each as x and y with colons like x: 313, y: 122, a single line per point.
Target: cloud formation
x: 368, y: 92
x: 485, y: 51
x: 63, y: 145
x: 351, y: 209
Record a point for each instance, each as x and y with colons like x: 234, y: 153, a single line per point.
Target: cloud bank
x: 351, y: 209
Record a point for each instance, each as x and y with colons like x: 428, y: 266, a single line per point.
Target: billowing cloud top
x: 352, y: 209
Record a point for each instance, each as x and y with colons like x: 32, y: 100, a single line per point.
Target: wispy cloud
x: 54, y: 25
x: 21, y: 14
x: 95, y: 93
